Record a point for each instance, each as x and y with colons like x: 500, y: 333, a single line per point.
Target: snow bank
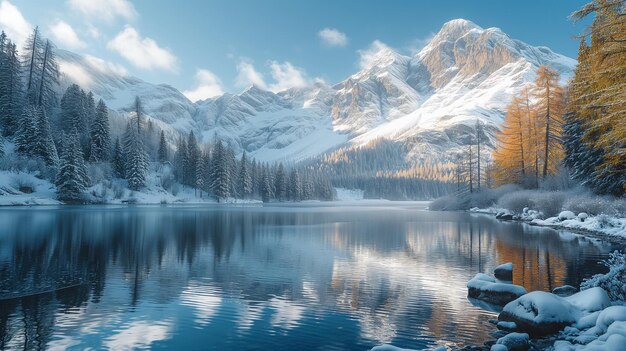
x: 605, y: 224
x: 608, y: 334
x: 541, y: 313
x: 20, y: 188
x: 487, y: 288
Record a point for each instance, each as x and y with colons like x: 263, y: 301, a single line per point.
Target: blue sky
x: 207, y: 47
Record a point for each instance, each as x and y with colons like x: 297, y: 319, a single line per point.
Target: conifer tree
x: 44, y: 146
x: 1, y: 146
x: 193, y: 156
x: 49, y: 78
x: 281, y: 183
x: 118, y: 159
x: 100, y: 139
x: 245, y: 180
x: 220, y: 172
x: 135, y: 158
x: 181, y: 160
x: 11, y: 96
x: 551, y: 107
x: 266, y: 188
x: 72, y: 176
x: 295, y: 186
x: 27, y: 131
x: 32, y: 60
x: 162, y: 153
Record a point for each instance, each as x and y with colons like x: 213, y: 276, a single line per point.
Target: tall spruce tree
x: 135, y: 158
x: 193, y: 156
x: 49, y: 78
x: 11, y: 88
x: 118, y: 159
x: 100, y: 139
x: 25, y: 138
x: 245, y: 180
x: 281, y: 183
x: 72, y: 176
x: 44, y: 146
x: 162, y: 153
x: 220, y: 172
x: 33, y: 56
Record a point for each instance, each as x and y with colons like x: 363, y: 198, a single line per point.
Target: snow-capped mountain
x: 428, y: 101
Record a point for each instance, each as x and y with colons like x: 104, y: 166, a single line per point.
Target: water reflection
x: 344, y: 278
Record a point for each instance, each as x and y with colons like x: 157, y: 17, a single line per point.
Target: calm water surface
x: 294, y: 277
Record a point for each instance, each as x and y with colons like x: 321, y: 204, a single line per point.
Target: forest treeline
x: 69, y: 141
x: 579, y: 128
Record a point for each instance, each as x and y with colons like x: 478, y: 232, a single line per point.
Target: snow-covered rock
x: 514, y: 341
x: 504, y: 271
x: 508, y: 326
x: 485, y: 287
x: 565, y: 290
x: 608, y: 334
x: 541, y: 313
x: 582, y: 216
x: 565, y: 215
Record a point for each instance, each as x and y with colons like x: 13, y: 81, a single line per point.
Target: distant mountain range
x: 427, y: 101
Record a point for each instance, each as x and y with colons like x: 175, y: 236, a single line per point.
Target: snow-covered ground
x: 15, y: 190
x: 16, y: 187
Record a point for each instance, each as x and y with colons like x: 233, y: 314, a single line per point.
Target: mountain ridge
x: 465, y: 73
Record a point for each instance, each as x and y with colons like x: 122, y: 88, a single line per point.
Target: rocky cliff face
x: 428, y: 101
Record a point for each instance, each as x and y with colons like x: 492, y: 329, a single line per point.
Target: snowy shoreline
x: 602, y: 227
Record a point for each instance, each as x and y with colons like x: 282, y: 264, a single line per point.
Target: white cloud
x: 369, y: 56
x: 247, y: 75
x: 332, y: 37
x: 144, y: 53
x: 287, y: 76
x: 207, y: 85
x: 13, y: 23
x: 106, y: 10
x: 65, y: 35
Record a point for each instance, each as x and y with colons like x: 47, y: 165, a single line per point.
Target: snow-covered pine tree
x: 245, y: 180
x: 33, y: 56
x: 255, y: 178
x: 280, y: 183
x: 26, y: 132
x: 180, y: 160
x: 100, y: 139
x: 193, y: 155
x: 72, y: 176
x: 44, y: 146
x: 135, y: 158
x: 11, y: 95
x: 73, y: 114
x: 220, y: 172
x: 201, y: 169
x: 295, y: 186
x: 162, y: 154
x: 49, y: 78
x: 266, y: 187
x: 233, y: 170
x: 1, y: 146
x: 206, y: 171
x: 118, y: 159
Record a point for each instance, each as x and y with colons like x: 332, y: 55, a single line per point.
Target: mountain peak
x: 457, y: 27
